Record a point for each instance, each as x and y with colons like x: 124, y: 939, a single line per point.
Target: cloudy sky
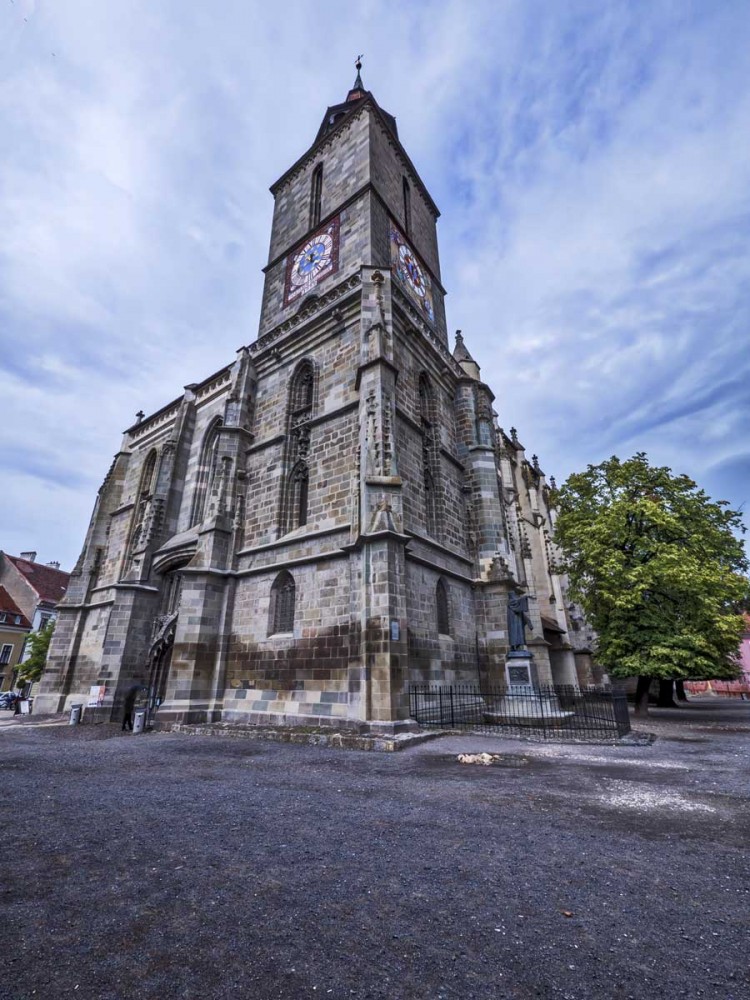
x: 591, y: 161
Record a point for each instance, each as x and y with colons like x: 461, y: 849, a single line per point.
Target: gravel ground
x: 166, y: 865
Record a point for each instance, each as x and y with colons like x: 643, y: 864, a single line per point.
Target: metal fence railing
x: 551, y: 712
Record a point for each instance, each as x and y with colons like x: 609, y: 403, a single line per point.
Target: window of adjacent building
x: 5, y: 653
x: 443, y: 611
x: 406, y: 190
x: 281, y: 616
x: 316, y: 195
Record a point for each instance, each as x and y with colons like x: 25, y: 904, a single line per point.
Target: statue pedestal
x: 524, y: 701
x: 519, y: 669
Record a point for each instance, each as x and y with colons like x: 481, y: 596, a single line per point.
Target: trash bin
x: 75, y: 714
x: 139, y: 720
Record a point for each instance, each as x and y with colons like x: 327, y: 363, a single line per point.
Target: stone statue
x: 518, y: 620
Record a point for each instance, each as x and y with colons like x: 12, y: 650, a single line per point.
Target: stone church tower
x: 335, y: 514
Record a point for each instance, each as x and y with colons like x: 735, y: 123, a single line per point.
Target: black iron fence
x: 559, y: 712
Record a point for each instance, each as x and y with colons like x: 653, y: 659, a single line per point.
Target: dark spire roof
x: 354, y: 99
x: 461, y: 351
x: 358, y: 90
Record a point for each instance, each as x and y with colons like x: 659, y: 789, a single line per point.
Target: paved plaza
x: 166, y: 865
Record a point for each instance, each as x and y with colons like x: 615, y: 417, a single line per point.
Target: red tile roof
x: 9, y: 607
x: 49, y: 583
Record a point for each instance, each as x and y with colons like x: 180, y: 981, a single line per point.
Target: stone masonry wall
x: 305, y: 674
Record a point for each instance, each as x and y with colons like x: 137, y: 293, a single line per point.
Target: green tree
x: 657, y: 567
x: 33, y: 667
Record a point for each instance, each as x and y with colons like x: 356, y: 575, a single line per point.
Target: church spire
x: 358, y: 90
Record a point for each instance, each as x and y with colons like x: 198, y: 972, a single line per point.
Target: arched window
x: 426, y: 400
x: 302, y: 388
x: 207, y: 468
x: 430, y: 457
x: 316, y: 194
x: 148, y: 475
x: 296, y: 500
x: 281, y: 613
x: 406, y: 190
x: 294, y: 493
x: 443, y: 611
x: 171, y: 593
x: 146, y: 487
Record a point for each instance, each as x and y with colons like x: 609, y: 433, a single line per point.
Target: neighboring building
x: 336, y: 514
x: 36, y: 588
x: 745, y: 653
x: 737, y: 688
x: 14, y: 627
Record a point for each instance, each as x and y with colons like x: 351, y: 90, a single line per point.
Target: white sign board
x: 96, y: 695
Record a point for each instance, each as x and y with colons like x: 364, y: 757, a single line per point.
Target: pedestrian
x: 130, y: 697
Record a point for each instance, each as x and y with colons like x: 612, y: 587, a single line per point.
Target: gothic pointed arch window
x: 208, y: 466
x: 297, y: 496
x: 281, y: 612
x: 295, y: 492
x: 143, y: 503
x: 316, y: 195
x: 302, y: 389
x: 430, y: 454
x: 406, y: 193
x: 443, y: 608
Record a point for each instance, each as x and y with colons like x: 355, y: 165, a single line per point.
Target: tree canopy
x: 32, y: 668
x: 657, y: 567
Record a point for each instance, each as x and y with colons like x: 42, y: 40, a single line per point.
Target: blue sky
x: 591, y: 161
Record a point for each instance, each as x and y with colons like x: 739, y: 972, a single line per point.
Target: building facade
x: 36, y: 589
x: 14, y: 627
x: 334, y: 515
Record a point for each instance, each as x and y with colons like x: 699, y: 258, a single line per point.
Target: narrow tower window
x: 443, y: 614
x: 281, y: 616
x: 316, y: 194
x: 430, y: 454
x: 407, y: 206
x: 295, y: 489
x: 297, y: 497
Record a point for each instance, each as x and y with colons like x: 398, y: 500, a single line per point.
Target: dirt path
x: 174, y: 866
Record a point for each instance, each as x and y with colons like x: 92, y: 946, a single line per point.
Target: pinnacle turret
x: 464, y: 358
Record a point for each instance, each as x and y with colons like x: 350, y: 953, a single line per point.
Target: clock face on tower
x: 409, y: 269
x: 310, y: 263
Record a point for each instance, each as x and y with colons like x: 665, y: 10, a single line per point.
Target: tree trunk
x: 666, y: 699
x: 680, y: 690
x: 641, y: 695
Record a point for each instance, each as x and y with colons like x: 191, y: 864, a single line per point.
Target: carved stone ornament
x: 499, y: 570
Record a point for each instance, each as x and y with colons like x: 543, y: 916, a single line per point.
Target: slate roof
x: 49, y: 583
x: 9, y: 607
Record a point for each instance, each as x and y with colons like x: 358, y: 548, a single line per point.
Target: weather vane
x: 358, y: 62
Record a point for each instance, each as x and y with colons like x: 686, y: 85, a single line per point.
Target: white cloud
x: 590, y: 161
